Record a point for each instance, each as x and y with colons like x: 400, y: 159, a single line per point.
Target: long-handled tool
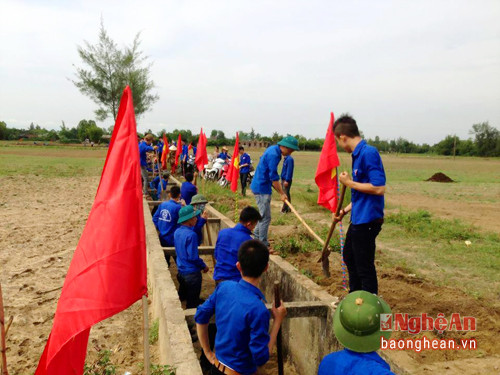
x: 3, y: 346
x: 279, y: 345
x: 304, y: 223
x: 326, y: 249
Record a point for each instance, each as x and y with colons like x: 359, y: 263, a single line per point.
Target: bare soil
x: 439, y: 177
x: 42, y: 220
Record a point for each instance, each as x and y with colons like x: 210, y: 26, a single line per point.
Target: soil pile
x: 439, y: 177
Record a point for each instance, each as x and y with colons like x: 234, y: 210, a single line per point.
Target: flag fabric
x: 233, y: 173
x: 326, y: 173
x: 108, y: 271
x: 201, y: 158
x: 177, y: 153
x: 164, y: 153
x: 190, y: 146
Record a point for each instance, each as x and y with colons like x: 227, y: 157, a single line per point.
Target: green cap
x: 199, y: 199
x: 186, y: 213
x: 356, y: 322
x: 290, y: 142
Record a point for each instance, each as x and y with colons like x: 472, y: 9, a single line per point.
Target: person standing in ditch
x: 286, y: 180
x: 266, y: 177
x: 366, y: 207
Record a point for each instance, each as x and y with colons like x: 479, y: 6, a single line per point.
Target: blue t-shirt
x: 245, y: 159
x: 188, y: 191
x: 143, y: 149
x: 165, y: 220
x: 184, y: 154
x: 242, y: 321
x: 287, y: 170
x: 194, y: 150
x: 267, y: 171
x: 226, y: 252
x: 367, y: 167
x: 186, y: 247
x: 347, y: 362
x: 223, y: 156
x: 198, y: 228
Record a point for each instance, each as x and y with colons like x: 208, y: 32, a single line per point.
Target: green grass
x: 153, y: 332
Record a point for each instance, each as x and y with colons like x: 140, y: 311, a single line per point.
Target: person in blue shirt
x: 243, y: 341
x: 155, y: 184
x: 189, y: 263
x: 244, y: 169
x: 266, y: 177
x: 286, y: 180
x: 165, y: 219
x: 144, y: 148
x: 366, y: 207
x: 228, y: 243
x: 188, y: 189
x: 223, y: 155
x: 199, y: 202
x: 184, y: 157
x: 356, y: 324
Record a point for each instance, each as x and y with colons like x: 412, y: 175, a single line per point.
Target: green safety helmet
x: 199, y: 199
x: 290, y: 142
x: 186, y: 213
x: 356, y: 322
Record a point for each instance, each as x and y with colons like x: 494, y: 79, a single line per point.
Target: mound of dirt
x: 439, y: 177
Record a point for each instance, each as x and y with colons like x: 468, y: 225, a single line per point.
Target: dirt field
x: 42, y: 220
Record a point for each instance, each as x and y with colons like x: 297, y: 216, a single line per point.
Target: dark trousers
x: 359, y: 256
x: 164, y: 243
x: 286, y: 190
x: 243, y: 180
x: 190, y: 288
x: 214, y: 371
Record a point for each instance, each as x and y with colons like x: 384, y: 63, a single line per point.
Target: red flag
x: 164, y: 153
x: 201, y: 158
x: 326, y: 174
x: 234, y: 168
x: 108, y: 271
x: 177, y: 153
x: 190, y: 146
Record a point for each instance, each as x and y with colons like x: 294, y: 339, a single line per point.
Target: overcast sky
x: 415, y: 69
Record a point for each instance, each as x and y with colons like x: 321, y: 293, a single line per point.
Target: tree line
x: 484, y: 140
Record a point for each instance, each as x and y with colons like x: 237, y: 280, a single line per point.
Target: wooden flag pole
x: 326, y: 250
x: 304, y: 223
x: 3, y: 348
x: 145, y: 330
x: 279, y: 345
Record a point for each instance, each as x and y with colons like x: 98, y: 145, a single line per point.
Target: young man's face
x: 342, y: 141
x: 286, y: 151
x: 242, y: 152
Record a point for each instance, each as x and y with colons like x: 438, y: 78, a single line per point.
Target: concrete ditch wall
x: 306, y: 340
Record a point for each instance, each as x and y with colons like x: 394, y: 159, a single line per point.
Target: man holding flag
x: 366, y: 207
x: 266, y: 177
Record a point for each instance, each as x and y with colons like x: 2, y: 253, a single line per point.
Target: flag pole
x: 145, y: 331
x: 326, y: 252
x: 2, y: 329
x: 279, y: 345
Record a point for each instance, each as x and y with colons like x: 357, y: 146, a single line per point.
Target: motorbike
x: 212, y: 173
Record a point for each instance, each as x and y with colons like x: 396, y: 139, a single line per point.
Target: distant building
x: 254, y: 144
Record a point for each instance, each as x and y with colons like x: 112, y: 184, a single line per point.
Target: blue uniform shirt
x: 188, y: 191
x: 349, y: 362
x: 226, y: 252
x: 267, y: 171
x: 287, y: 170
x: 194, y: 150
x: 198, y: 228
x: 245, y: 159
x: 223, y: 156
x: 184, y: 154
x: 143, y: 149
x: 186, y: 247
x: 165, y: 220
x: 242, y: 323
x: 367, y: 167
x: 155, y: 184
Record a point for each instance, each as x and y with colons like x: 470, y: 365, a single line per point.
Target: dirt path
x: 42, y: 220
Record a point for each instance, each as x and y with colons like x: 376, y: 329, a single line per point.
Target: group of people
x: 244, y: 337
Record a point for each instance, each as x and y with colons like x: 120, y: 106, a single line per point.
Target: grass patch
x: 153, y: 332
